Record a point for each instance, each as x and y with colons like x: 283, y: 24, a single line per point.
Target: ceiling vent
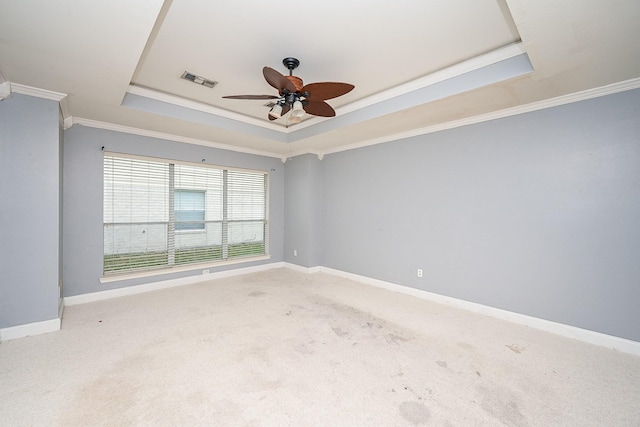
x: 198, y: 79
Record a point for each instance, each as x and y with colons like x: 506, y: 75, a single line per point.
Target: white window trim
x: 182, y: 162
x: 115, y: 277
x: 191, y: 267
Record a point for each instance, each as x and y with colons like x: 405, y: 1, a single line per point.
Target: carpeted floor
x: 282, y: 348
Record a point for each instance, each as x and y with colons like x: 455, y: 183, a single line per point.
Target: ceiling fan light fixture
x: 276, y: 111
x: 297, y: 110
x: 295, y: 119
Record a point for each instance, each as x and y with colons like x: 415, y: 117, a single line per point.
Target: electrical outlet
x: 419, y: 272
x: 295, y: 252
x: 205, y: 271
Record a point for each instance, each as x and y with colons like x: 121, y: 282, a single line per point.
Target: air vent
x: 198, y: 79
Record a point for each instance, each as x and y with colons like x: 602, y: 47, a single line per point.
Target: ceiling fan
x: 292, y: 95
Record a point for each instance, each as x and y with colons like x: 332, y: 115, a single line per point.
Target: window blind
x: 162, y: 214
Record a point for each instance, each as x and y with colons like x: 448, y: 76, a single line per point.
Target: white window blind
x: 160, y: 214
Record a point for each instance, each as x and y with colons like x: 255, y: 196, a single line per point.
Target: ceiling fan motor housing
x: 290, y: 98
x: 297, y: 82
x: 292, y: 64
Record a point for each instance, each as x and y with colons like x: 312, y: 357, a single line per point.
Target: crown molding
x: 200, y: 106
x: 5, y: 89
x: 67, y: 122
x: 521, y: 109
x: 37, y: 92
x: 169, y: 137
x: 66, y: 112
x: 512, y: 111
x: 62, y: 98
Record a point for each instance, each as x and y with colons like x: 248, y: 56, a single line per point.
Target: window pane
x: 199, y: 247
x: 246, y: 195
x: 131, y: 186
x: 246, y: 238
x: 217, y: 214
x: 189, y: 210
x: 133, y: 247
x: 205, y: 179
x: 136, y: 200
x: 189, y: 200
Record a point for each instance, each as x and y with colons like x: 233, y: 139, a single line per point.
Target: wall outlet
x: 295, y: 252
x: 419, y: 272
x: 205, y: 271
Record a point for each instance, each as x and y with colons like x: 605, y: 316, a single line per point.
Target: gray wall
x: 83, y: 188
x: 30, y: 207
x: 60, y: 204
x: 303, y: 211
x: 537, y: 213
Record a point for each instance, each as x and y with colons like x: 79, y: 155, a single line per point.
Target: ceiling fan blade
x: 277, y: 80
x: 326, y: 90
x: 251, y: 97
x: 285, y: 110
x: 318, y: 108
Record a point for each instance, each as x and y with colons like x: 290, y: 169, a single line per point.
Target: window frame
x: 235, y: 258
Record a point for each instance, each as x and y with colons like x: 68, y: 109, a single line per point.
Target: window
x: 189, y: 209
x: 161, y: 214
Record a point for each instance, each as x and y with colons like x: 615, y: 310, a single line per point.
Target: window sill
x: 191, y: 267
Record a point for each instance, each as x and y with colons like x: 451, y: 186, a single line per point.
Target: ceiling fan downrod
x: 291, y: 64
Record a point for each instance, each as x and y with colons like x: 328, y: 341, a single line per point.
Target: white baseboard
x: 604, y: 340
x: 148, y: 287
x: 301, y: 269
x: 585, y: 335
x: 29, y: 329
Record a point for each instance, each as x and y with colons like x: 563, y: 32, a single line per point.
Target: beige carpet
x: 281, y: 348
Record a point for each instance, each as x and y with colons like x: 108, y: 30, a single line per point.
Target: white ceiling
x: 415, y: 64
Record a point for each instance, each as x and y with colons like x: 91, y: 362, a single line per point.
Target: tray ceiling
x: 414, y: 64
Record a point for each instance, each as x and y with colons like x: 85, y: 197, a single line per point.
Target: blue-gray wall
x: 30, y: 196
x: 538, y: 213
x: 303, y: 211
x: 60, y: 205
x: 83, y: 192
